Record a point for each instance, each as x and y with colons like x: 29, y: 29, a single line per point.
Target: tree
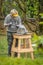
x: 1, y: 9
x: 28, y: 10
x: 29, y: 7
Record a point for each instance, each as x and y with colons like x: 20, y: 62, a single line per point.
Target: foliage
x: 41, y: 23
x: 38, y: 40
x: 41, y: 15
x: 31, y: 7
x: 8, y: 5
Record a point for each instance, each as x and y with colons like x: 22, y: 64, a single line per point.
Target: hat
x: 14, y: 12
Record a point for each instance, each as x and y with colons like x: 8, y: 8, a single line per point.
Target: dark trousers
x: 10, y: 42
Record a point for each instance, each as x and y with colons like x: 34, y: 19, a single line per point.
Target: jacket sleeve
x: 7, y: 21
x: 19, y: 21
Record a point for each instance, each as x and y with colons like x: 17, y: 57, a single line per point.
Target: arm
x: 19, y: 22
x: 7, y: 21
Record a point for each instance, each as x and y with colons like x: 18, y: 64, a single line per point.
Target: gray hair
x: 13, y: 11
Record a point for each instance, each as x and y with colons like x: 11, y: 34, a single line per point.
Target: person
x: 11, y: 21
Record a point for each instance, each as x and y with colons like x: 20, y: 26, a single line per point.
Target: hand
x: 17, y: 25
x: 10, y: 23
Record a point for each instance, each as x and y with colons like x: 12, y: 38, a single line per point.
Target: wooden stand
x: 24, y: 48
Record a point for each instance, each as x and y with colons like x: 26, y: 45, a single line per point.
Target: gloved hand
x: 10, y: 23
x: 17, y: 26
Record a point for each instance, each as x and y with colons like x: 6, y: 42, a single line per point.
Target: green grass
x: 21, y: 61
x: 3, y: 44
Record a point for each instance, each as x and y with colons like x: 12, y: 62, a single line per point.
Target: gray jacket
x: 12, y: 23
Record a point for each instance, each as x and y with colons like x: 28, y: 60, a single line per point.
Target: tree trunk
x: 1, y: 11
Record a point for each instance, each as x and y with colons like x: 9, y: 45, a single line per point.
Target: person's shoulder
x: 19, y: 17
x: 7, y: 16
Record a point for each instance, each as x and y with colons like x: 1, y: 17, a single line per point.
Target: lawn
x: 21, y: 61
x: 3, y: 44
